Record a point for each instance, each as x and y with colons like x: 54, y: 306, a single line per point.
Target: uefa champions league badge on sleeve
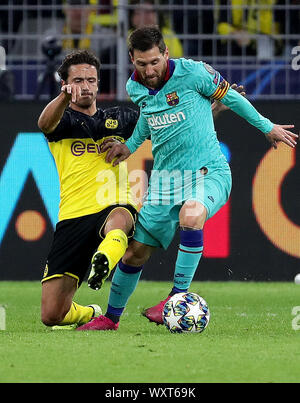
x: 209, y: 68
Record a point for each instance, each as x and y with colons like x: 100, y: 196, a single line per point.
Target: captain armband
x: 221, y: 90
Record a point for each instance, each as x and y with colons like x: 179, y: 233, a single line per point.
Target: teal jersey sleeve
x: 209, y: 82
x: 241, y: 106
x: 213, y: 85
x: 139, y: 135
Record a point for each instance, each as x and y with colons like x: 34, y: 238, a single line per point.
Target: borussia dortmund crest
x: 172, y: 98
x: 111, y: 123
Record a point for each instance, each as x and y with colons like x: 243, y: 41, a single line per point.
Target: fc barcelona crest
x: 172, y: 98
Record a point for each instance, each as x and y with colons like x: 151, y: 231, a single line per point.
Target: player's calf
x: 137, y: 254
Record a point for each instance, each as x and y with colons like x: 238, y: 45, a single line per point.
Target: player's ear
x: 131, y: 57
x: 166, y: 54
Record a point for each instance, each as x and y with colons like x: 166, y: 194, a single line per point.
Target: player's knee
x: 192, y: 215
x: 52, y: 317
x: 119, y: 218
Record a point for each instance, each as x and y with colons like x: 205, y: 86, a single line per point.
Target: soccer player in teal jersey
x: 191, y: 179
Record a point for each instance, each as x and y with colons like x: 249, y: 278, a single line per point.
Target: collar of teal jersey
x: 168, y: 75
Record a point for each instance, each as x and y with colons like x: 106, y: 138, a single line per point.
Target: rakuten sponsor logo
x: 165, y: 120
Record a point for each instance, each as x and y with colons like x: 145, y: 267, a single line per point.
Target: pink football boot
x: 99, y: 323
x: 155, y: 313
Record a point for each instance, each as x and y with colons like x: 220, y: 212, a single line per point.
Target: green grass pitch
x: 252, y: 337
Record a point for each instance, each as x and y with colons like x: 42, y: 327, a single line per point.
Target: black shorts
x: 75, y: 241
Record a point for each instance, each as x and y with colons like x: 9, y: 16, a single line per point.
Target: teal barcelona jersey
x: 178, y: 116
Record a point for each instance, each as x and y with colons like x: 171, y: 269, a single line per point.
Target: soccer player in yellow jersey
x: 96, y: 213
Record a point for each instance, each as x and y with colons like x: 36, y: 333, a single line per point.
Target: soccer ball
x: 186, y: 312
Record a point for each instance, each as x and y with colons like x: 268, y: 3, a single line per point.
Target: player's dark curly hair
x: 146, y: 38
x: 78, y: 57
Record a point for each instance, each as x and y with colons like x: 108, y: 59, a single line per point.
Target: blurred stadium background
x: 256, y: 236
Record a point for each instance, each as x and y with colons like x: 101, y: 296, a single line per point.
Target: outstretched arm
x: 273, y: 132
x: 53, y: 112
x: 210, y: 83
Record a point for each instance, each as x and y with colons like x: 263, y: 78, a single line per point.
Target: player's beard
x: 153, y: 83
